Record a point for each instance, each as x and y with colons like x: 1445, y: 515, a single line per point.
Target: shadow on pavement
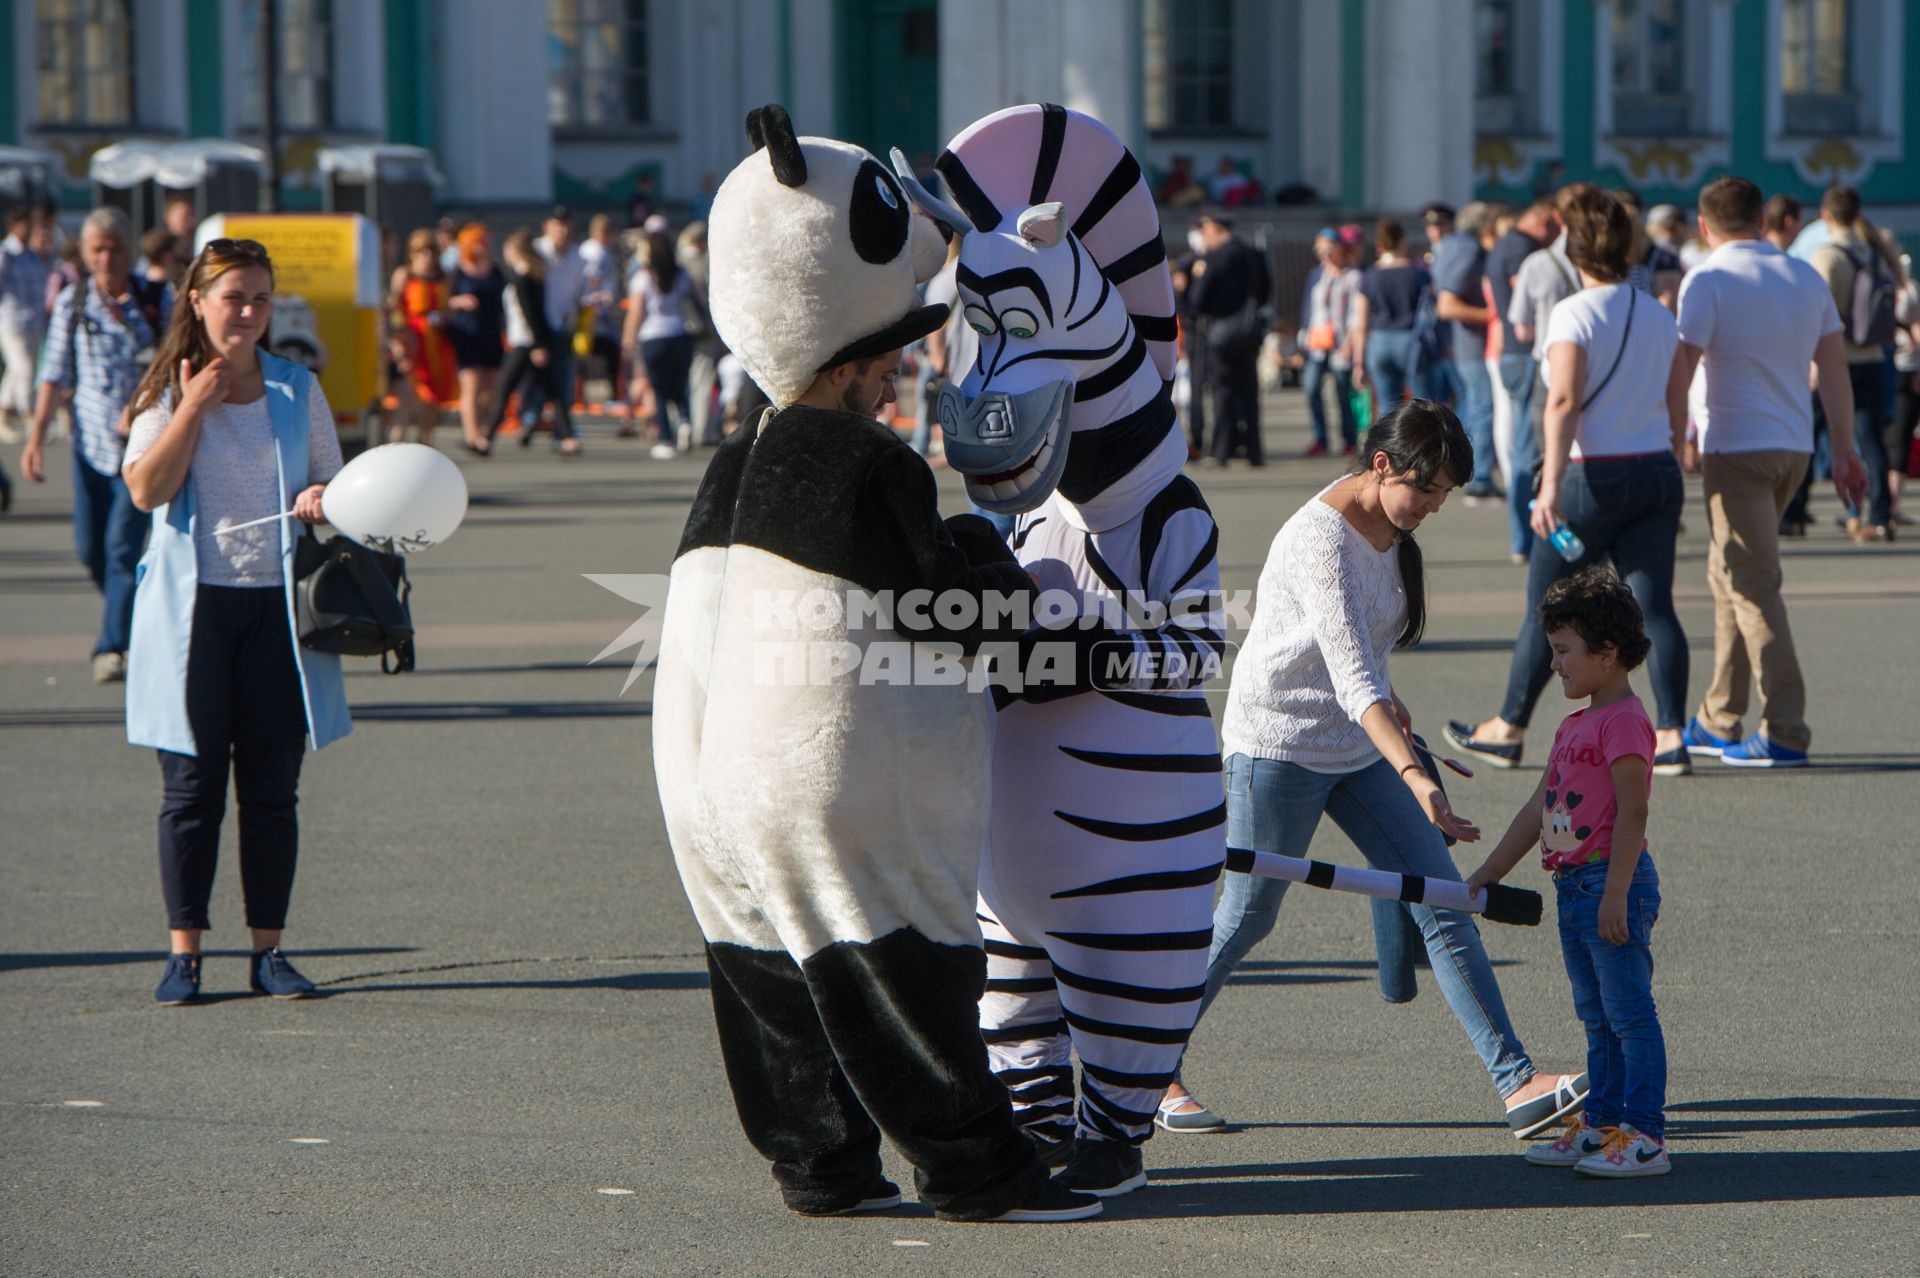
x: 116, y: 958
x: 1395, y: 1186
x: 1821, y: 1113
x: 379, y: 712
x: 627, y: 981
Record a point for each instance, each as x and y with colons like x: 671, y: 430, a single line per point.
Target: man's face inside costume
x: 871, y: 385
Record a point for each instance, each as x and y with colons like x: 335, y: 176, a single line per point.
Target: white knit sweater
x: 1329, y: 610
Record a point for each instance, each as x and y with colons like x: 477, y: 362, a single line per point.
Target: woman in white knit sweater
x: 1313, y: 726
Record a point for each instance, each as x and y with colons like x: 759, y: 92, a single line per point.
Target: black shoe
x: 1496, y: 756
x: 272, y: 974
x: 1674, y: 763
x: 180, y: 985
x: 1105, y: 1168
x: 884, y: 1195
x: 1054, y: 1151
x: 1053, y: 1202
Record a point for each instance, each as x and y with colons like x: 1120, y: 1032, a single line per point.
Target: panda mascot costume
x: 827, y: 823
x: 1108, y: 826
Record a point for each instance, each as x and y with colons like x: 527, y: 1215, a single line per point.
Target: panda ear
x: 769, y: 127
x: 1043, y: 224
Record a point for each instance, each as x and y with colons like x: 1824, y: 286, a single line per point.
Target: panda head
x: 816, y: 254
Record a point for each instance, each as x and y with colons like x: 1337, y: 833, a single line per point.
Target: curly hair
x: 1596, y: 605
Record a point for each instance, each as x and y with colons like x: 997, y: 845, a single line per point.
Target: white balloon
x: 404, y: 496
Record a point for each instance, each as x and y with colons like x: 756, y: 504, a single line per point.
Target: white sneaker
x: 1578, y: 1141
x: 1627, y: 1152
x: 663, y: 452
x: 110, y: 667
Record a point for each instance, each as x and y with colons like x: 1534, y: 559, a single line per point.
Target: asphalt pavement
x: 514, y: 1070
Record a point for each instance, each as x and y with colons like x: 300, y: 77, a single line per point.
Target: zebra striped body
x: 1107, y: 830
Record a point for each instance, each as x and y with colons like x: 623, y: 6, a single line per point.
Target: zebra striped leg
x: 1027, y: 1044
x: 1498, y: 903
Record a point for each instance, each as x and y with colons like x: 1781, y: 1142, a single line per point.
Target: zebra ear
x: 1044, y: 224
x: 950, y: 220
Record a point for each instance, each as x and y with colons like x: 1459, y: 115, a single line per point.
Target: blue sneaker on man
x: 272, y: 974
x: 180, y: 984
x: 1698, y: 740
x: 1758, y: 752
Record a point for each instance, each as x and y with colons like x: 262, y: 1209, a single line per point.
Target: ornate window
x: 1189, y: 65
x: 1502, y: 82
x: 1651, y: 94
x: 1817, y: 66
x: 598, y: 73
x: 84, y: 60
x: 304, y: 74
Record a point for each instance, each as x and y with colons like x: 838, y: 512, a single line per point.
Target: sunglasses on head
x: 253, y: 248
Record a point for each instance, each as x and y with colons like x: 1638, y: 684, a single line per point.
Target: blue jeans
x: 1388, y: 353
x: 1274, y: 807
x: 1518, y: 375
x: 1627, y: 511
x: 1475, y: 408
x: 1613, y: 996
x: 109, y: 535
x: 1320, y: 371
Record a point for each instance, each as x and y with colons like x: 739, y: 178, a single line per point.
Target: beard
x: 853, y: 399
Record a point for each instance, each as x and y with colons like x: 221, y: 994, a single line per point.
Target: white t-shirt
x: 1627, y: 415
x: 1757, y: 314
x: 236, y: 480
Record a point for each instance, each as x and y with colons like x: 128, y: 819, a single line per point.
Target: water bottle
x: 1565, y: 540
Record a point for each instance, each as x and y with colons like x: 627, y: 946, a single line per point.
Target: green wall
x: 203, y: 71
x: 9, y: 107
x: 411, y: 59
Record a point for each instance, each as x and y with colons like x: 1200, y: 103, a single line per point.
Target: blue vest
x: 169, y: 579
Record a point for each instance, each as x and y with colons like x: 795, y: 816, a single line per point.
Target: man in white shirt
x: 566, y: 290
x: 1757, y: 317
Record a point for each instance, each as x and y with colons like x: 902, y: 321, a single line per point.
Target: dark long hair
x: 1424, y: 442
x: 661, y: 264
x: 186, y: 336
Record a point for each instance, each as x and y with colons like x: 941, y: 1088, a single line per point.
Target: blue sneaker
x: 272, y: 974
x: 1758, y: 752
x: 1698, y: 740
x: 180, y: 985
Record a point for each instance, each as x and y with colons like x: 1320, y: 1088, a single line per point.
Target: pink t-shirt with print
x: 1578, y: 808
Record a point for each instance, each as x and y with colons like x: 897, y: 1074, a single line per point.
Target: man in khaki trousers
x: 1758, y: 318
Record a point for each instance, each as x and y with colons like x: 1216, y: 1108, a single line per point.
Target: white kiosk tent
x: 392, y: 185
x: 28, y: 177
x: 136, y: 177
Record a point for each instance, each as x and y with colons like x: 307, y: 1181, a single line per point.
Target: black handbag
x: 350, y: 600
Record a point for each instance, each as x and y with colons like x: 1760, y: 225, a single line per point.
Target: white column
x: 810, y: 66
x: 1319, y: 79
x: 495, y: 143
x: 360, y: 67
x: 1083, y: 54
x: 1419, y: 124
x: 1100, y: 67
x: 160, y: 51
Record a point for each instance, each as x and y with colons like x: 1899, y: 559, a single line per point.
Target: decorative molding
x: 1511, y: 159
x: 1821, y: 161
x: 1681, y: 160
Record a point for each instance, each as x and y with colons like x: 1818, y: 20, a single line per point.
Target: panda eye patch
x: 981, y: 321
x: 878, y: 219
x: 1020, y: 323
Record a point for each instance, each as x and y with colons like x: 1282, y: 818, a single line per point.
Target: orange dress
x: 423, y: 303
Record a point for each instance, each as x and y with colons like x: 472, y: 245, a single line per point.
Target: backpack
x: 1870, y: 320
x: 146, y: 296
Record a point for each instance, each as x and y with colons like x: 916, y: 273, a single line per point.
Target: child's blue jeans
x: 1613, y: 996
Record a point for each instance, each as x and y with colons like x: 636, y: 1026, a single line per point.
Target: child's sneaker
x: 1627, y: 1152
x: 1578, y: 1141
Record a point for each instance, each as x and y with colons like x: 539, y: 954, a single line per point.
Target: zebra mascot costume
x: 1107, y: 831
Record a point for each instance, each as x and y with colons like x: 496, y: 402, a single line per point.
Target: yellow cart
x: 329, y: 305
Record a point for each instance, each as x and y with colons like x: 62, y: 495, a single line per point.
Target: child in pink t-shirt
x: 1589, y: 815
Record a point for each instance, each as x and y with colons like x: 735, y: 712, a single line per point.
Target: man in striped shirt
x: 102, y: 336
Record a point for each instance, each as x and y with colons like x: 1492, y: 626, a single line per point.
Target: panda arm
x: 900, y: 491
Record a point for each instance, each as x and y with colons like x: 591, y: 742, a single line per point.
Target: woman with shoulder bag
x: 225, y: 434
x: 1616, y: 421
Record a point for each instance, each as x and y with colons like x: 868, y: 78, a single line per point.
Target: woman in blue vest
x: 225, y: 433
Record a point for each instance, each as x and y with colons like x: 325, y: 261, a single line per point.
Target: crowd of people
x: 1464, y: 320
